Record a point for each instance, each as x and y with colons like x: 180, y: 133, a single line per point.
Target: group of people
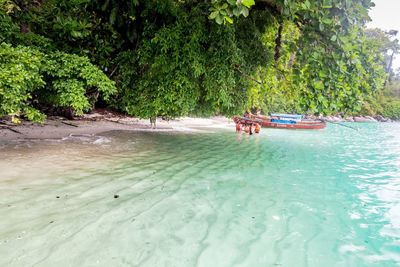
x: 248, y: 127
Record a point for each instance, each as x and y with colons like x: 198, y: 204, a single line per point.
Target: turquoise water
x: 281, y: 198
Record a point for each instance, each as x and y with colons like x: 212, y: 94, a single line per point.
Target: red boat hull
x: 304, y: 124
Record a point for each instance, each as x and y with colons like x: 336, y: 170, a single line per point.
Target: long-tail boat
x: 285, y: 121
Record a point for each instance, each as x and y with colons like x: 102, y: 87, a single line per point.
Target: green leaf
x: 113, y: 15
x: 248, y: 3
x: 213, y: 15
x: 219, y: 19
x: 245, y: 12
x: 236, y: 11
x: 228, y: 19
x: 327, y: 4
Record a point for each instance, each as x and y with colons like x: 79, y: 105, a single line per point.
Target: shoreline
x: 104, y: 121
x: 94, y: 124
x: 339, y: 118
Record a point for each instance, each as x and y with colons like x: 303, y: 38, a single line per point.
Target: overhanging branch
x: 237, y: 68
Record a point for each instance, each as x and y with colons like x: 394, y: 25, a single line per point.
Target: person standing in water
x: 246, y: 128
x: 238, y: 127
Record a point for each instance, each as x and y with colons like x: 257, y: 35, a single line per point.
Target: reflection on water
x: 282, y: 198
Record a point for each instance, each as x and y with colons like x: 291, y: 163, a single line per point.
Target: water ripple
x: 281, y: 198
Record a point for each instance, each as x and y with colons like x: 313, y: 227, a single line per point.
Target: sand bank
x: 57, y: 127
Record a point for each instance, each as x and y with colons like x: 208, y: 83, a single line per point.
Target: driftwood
x: 10, y: 129
x: 114, y: 121
x: 69, y: 124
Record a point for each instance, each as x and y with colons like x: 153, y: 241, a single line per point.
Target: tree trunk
x: 278, y: 40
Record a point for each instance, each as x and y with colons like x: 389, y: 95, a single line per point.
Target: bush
x: 372, y: 106
x: 391, y: 109
x: 20, y: 76
x: 30, y: 78
x: 73, y: 82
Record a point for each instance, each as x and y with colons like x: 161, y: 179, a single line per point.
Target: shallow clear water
x: 282, y: 198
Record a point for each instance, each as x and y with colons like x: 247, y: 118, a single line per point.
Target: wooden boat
x: 285, y: 121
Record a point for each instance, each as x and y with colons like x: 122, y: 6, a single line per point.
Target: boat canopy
x: 288, y: 116
x: 284, y: 121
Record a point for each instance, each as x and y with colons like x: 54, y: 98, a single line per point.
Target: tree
x: 387, y: 45
x: 172, y: 57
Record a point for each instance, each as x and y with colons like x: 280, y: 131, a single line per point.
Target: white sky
x: 386, y: 16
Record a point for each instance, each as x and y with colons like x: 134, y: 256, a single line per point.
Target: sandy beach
x: 95, y: 123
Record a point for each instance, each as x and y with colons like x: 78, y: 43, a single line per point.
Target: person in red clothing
x: 257, y: 128
x: 238, y: 126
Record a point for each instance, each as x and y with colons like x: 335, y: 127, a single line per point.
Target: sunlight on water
x: 282, y: 198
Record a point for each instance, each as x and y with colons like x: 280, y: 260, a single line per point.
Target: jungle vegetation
x: 191, y: 57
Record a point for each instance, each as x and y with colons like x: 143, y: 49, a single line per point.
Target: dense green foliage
x: 30, y: 78
x: 387, y: 44
x: 37, y: 76
x: 19, y: 78
x: 172, y: 57
x: 385, y: 102
x: 391, y: 109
